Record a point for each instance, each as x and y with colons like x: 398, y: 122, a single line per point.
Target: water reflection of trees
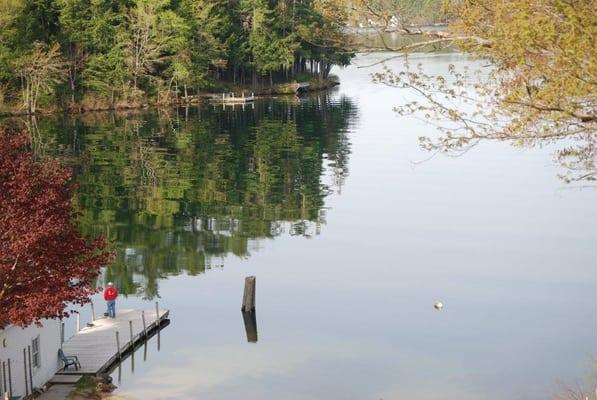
x: 178, y: 191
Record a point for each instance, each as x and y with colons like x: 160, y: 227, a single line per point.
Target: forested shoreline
x: 81, y: 55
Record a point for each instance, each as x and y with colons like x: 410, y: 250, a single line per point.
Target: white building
x: 16, y: 370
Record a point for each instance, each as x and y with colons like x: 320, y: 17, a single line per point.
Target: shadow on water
x: 176, y: 191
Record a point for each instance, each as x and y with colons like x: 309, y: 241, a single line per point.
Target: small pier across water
x: 101, y: 343
x: 231, y: 98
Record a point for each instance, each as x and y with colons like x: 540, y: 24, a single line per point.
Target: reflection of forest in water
x: 176, y: 191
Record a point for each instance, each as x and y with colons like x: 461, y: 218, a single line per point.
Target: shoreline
x: 288, y: 88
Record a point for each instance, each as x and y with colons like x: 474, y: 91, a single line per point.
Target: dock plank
x: 65, y: 379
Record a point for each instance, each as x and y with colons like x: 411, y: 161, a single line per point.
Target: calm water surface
x: 351, y: 240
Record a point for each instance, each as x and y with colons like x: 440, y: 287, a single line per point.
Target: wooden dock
x: 96, y: 346
x: 231, y: 98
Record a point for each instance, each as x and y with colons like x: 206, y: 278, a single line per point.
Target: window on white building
x: 35, y: 353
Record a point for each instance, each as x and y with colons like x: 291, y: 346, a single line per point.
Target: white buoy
x: 438, y: 305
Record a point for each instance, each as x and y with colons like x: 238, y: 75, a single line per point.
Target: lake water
x: 351, y: 239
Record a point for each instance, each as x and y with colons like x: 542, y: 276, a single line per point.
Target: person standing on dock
x: 110, y: 295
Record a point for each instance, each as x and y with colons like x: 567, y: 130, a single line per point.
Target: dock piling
x: 131, y: 332
x: 157, y: 314
x: 118, y: 345
x: 144, y: 324
x: 78, y: 321
x: 92, y: 312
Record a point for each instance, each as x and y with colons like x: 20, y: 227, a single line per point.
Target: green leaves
x: 106, y: 73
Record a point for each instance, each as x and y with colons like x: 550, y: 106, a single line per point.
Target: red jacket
x: 110, y: 293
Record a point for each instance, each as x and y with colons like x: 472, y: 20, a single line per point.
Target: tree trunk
x: 328, y: 68
x: 71, y: 79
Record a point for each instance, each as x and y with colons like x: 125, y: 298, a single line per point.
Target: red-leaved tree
x: 44, y: 262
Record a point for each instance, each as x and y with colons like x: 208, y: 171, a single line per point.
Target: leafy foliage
x: 159, y: 48
x: 542, y: 84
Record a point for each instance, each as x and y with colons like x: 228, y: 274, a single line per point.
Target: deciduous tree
x: 542, y: 84
x: 45, y: 263
x: 39, y: 70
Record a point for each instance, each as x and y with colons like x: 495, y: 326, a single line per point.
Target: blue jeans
x: 111, y: 308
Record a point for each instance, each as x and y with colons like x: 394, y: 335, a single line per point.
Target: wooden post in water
x: 157, y: 317
x: 131, y: 332
x: 25, y: 370
x: 159, y: 341
x: 249, y: 295
x: 133, y: 360
x: 144, y: 324
x: 30, y: 372
x: 78, y: 321
x: 61, y: 333
x: 118, y: 345
x: 92, y: 312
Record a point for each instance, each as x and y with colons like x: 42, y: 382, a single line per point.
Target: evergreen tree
x: 161, y: 49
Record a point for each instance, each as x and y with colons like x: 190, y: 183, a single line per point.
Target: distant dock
x: 231, y: 98
x: 102, y: 344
